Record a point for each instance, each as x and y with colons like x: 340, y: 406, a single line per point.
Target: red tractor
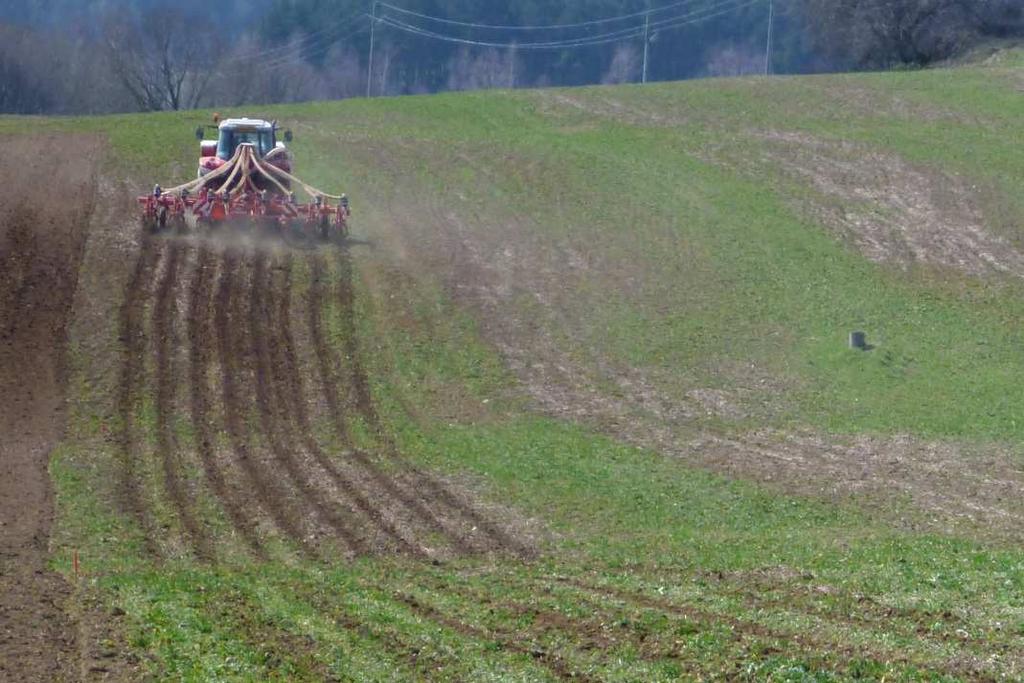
x: 244, y: 179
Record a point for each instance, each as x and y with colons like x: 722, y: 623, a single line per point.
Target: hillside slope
x: 575, y: 402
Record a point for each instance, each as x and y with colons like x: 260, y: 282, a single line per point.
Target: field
x: 575, y: 401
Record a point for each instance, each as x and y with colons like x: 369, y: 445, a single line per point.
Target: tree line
x: 148, y: 56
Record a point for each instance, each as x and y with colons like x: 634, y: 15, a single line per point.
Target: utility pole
x: 373, y: 35
x: 647, y: 40
x: 512, y: 67
x: 771, y: 31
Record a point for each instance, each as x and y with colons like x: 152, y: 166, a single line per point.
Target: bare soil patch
x: 41, y: 248
x: 893, y: 211
x: 958, y: 488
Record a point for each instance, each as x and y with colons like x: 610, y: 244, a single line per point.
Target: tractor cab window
x: 229, y: 141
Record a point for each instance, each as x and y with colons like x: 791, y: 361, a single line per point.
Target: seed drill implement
x: 245, y: 181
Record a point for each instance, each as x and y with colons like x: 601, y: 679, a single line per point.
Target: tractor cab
x: 230, y: 138
x: 231, y: 133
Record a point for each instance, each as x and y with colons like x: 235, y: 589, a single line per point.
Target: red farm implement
x: 245, y: 181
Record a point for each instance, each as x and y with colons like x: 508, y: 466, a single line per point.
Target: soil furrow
x: 133, y: 345
x: 587, y: 633
x: 513, y: 642
x: 364, y: 404
x: 286, y: 655
x: 810, y: 643
x: 231, y: 346
x: 273, y: 403
x: 862, y: 612
x: 388, y: 637
x: 200, y: 335
x: 164, y: 315
x: 327, y: 362
x: 294, y: 393
x: 360, y: 383
x: 345, y: 484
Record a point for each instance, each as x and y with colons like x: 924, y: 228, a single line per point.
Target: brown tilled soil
x: 41, y: 247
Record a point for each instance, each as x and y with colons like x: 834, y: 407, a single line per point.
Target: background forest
x: 68, y: 56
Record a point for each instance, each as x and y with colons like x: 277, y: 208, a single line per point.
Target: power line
x: 290, y: 50
x: 323, y: 49
x: 545, y: 27
x: 694, y: 17
x: 286, y: 60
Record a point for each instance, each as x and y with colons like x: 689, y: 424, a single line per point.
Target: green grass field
x: 547, y: 287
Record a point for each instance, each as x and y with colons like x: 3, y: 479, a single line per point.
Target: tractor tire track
x: 200, y: 332
x: 295, y: 392
x: 327, y: 362
x: 273, y: 404
x: 133, y: 347
x: 231, y: 348
x: 163, y: 322
x: 498, y: 538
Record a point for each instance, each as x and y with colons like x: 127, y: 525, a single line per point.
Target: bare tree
x: 881, y: 33
x: 248, y: 76
x: 238, y: 79
x: 22, y: 91
x: 162, y: 58
x: 488, y: 69
x: 341, y: 73
x: 730, y: 60
x: 625, y: 66
x: 68, y: 77
x: 386, y: 54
